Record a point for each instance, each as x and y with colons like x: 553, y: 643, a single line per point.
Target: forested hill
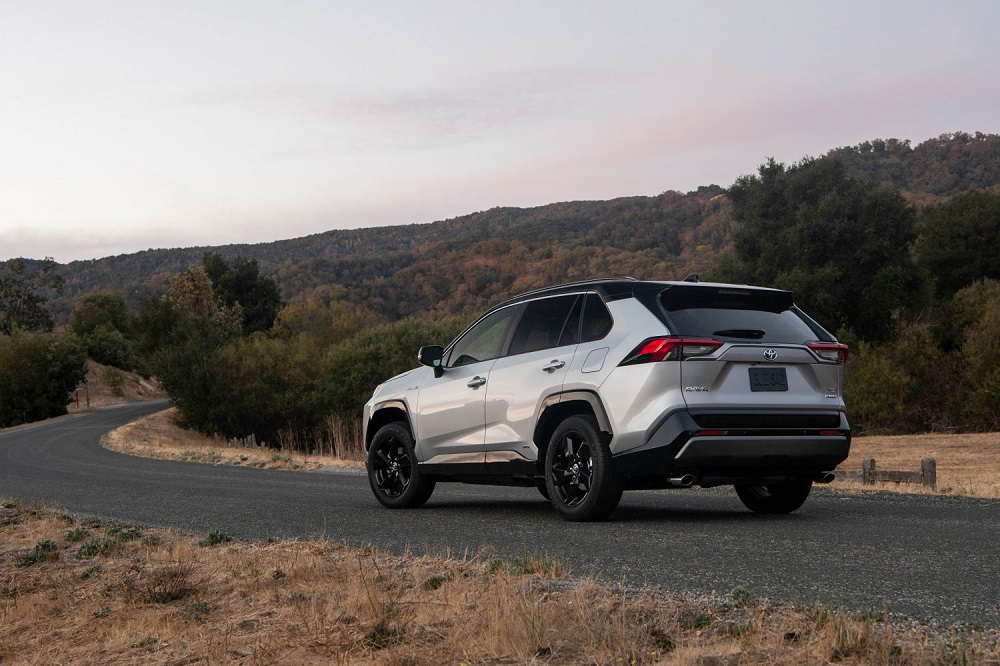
x: 942, y: 167
x: 457, y: 263
x: 464, y: 263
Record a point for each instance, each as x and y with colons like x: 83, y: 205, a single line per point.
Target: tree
x: 324, y: 324
x: 21, y: 304
x: 978, y: 307
x: 240, y: 283
x: 103, y: 310
x: 37, y: 374
x: 107, y: 327
x: 185, y: 365
x: 842, y: 244
x: 192, y: 290
x: 959, y: 239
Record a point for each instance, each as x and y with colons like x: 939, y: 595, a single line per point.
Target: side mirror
x: 431, y: 356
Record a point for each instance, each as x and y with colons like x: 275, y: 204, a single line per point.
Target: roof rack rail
x: 578, y: 283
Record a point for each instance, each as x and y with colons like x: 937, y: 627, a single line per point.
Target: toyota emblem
x: 770, y: 354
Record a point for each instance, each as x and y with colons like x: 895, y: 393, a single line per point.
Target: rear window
x: 737, y: 314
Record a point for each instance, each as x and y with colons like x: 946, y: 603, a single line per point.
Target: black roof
x: 611, y: 289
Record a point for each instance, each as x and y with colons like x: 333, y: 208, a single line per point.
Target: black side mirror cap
x: 431, y: 356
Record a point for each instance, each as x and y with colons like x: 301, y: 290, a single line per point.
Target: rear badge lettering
x: 696, y: 389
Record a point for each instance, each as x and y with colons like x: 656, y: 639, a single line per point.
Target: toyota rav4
x: 588, y: 389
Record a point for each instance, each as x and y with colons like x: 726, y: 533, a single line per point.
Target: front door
x: 451, y: 409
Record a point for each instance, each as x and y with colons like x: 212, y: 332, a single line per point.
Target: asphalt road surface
x: 931, y: 558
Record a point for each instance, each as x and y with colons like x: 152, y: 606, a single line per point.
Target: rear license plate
x: 768, y: 379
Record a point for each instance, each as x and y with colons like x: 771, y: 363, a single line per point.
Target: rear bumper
x: 754, y: 446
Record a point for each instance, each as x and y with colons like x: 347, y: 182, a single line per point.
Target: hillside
x: 464, y: 263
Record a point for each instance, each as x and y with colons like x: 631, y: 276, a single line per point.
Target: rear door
x: 771, y: 356
x: 540, y: 353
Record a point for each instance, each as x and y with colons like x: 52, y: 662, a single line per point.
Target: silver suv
x: 588, y: 389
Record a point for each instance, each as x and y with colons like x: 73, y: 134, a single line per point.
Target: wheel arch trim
x: 586, y: 396
x: 396, y: 406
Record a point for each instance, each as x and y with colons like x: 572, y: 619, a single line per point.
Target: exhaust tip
x: 824, y: 477
x: 685, y: 481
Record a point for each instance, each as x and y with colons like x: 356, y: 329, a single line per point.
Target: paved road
x: 927, y: 557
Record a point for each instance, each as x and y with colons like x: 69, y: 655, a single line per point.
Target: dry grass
x: 966, y: 464
x: 158, y: 597
x: 159, y: 436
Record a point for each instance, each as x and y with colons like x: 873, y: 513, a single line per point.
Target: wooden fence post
x: 928, y: 470
x: 868, y: 471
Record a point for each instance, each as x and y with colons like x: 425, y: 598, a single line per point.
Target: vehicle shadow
x: 483, y: 508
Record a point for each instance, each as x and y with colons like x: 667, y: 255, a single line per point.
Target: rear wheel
x: 775, y: 498
x: 579, y: 474
x: 392, y: 467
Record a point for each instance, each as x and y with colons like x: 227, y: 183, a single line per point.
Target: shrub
x: 44, y: 551
x: 215, y: 538
x: 887, y: 385
x: 352, y: 369
x: 114, y: 379
x: 980, y: 352
x: 875, y: 389
x: 109, y: 346
x: 93, y: 547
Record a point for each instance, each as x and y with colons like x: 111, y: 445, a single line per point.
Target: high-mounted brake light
x: 655, y: 350
x: 834, y: 352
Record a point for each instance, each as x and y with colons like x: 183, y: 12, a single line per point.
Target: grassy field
x: 966, y: 464
x: 75, y: 590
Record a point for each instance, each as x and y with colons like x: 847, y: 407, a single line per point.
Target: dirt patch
x: 76, y: 590
x: 106, y: 385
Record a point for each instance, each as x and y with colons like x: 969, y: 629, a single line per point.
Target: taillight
x: 834, y: 352
x: 655, y: 350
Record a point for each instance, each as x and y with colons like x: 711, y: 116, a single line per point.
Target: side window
x: 542, y: 324
x: 482, y: 342
x: 596, y: 319
x: 571, y: 331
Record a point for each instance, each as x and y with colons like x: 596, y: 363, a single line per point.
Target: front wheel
x: 776, y: 498
x: 392, y: 467
x: 579, y: 474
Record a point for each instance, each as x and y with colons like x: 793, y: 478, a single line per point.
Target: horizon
x: 179, y: 125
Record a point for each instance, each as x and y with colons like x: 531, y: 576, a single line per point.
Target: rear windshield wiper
x: 748, y: 333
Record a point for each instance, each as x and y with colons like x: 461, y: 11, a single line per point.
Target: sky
x: 142, y: 124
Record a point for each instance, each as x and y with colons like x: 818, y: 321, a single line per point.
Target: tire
x: 393, y: 473
x: 579, y: 474
x: 778, y: 498
x: 543, y: 488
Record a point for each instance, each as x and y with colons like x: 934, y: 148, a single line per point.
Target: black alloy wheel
x: 572, y: 468
x: 393, y: 473
x: 580, y: 476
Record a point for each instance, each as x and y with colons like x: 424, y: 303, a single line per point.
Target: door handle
x: 476, y: 382
x: 554, y: 365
